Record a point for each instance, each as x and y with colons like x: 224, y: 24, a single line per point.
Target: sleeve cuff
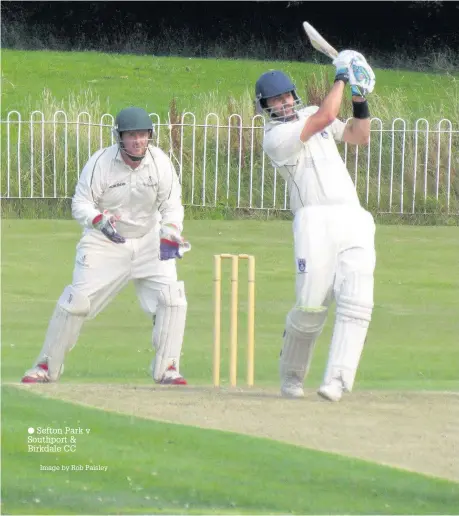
x: 91, y: 217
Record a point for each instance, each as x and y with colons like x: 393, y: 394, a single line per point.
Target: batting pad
x: 169, y: 328
x: 63, y: 329
x: 303, y: 327
x: 351, y: 326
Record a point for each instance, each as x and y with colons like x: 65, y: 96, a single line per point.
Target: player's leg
x: 163, y: 297
x: 101, y: 271
x: 354, y: 305
x: 63, y: 330
x: 315, y: 266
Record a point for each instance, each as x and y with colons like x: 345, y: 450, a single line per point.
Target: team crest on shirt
x: 82, y: 259
x: 301, y: 265
x: 324, y: 134
x: 150, y: 182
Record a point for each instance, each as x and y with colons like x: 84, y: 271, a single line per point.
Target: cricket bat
x: 318, y: 42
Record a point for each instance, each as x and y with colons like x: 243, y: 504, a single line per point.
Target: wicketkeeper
x: 128, y: 200
x: 333, y: 235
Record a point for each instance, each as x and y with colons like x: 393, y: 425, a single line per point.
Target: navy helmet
x: 271, y: 84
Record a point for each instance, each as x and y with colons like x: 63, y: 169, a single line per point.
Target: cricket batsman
x: 333, y: 235
x: 128, y: 201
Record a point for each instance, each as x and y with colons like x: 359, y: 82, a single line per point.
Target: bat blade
x: 318, y: 42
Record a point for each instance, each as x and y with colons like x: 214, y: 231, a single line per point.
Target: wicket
x: 234, y: 317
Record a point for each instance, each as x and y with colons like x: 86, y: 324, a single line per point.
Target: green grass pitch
x: 160, y: 468
x: 411, y: 342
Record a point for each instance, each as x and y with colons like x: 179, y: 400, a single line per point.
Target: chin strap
x: 121, y: 146
x: 133, y: 158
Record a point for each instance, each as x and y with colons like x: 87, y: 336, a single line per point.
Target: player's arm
x: 362, y: 82
x: 169, y: 194
x: 329, y: 109
x: 326, y: 113
x: 172, y: 243
x: 87, y: 192
x: 84, y: 203
x: 357, y: 130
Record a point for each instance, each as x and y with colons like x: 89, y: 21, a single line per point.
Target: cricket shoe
x: 332, y: 391
x: 172, y: 377
x: 38, y: 374
x: 292, y: 386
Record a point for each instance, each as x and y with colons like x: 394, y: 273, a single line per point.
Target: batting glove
x: 345, y: 58
x: 361, y: 78
x: 342, y: 74
x: 106, y: 224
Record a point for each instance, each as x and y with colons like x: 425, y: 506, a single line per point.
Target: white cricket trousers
x: 103, y: 268
x: 332, y: 243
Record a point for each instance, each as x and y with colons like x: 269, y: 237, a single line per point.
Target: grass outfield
x: 158, y: 468
x: 412, y: 342
x: 110, y: 82
x: 162, y: 468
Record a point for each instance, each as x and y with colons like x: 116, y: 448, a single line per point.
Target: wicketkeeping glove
x: 361, y: 77
x: 172, y: 244
x: 106, y: 224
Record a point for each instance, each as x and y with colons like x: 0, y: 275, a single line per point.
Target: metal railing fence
x: 406, y: 168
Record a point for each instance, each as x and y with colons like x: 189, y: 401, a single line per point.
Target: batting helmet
x: 271, y: 84
x: 132, y: 119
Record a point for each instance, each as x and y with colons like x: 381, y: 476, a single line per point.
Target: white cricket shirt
x: 314, y: 170
x: 140, y: 197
